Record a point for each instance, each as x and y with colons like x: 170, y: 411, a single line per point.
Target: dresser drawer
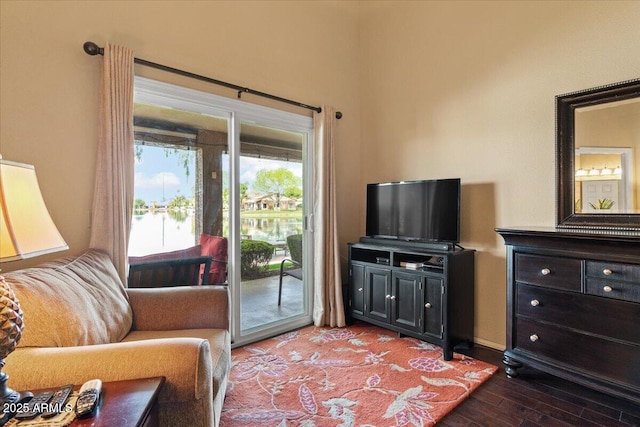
x: 553, y: 272
x: 599, y: 357
x: 586, y: 313
x: 611, y: 289
x: 613, y: 271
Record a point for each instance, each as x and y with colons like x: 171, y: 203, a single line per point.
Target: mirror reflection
x: 607, y: 138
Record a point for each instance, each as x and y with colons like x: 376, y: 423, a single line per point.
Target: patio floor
x: 260, y: 300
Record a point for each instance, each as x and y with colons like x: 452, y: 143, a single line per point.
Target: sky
x: 158, y: 177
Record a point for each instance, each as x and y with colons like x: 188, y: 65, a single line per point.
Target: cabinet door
x: 356, y: 289
x: 406, y: 300
x: 377, y: 293
x: 432, y: 314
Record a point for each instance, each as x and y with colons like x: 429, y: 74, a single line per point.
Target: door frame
x: 236, y: 111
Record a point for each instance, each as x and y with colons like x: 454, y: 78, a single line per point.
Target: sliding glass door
x: 225, y: 169
x: 274, y: 203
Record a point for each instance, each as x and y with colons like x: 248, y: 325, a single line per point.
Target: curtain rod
x: 93, y: 49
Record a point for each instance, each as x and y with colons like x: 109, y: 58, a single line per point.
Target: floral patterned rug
x: 361, y: 376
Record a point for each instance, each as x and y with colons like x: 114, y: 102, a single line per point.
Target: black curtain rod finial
x: 92, y: 49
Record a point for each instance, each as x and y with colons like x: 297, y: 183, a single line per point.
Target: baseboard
x: 490, y: 344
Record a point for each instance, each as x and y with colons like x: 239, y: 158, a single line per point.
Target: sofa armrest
x: 182, y: 307
x: 184, y: 362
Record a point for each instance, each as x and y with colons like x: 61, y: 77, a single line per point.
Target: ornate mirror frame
x: 566, y: 105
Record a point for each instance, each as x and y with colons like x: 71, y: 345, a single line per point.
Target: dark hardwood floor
x: 537, y: 399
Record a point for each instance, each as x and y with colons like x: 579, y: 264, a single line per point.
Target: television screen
x: 415, y: 210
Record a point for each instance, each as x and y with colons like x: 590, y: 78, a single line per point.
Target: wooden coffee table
x: 128, y: 403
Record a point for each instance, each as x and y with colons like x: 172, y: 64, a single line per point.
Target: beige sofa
x: 82, y: 323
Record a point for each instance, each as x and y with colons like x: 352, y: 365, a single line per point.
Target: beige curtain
x: 328, y: 306
x: 113, y: 191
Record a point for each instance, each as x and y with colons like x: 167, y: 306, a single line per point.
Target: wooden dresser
x: 573, y: 307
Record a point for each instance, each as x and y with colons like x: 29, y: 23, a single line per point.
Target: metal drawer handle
x: 607, y: 272
x: 427, y: 305
x: 607, y: 288
x: 545, y: 271
x: 388, y: 297
x: 535, y: 302
x: 392, y: 297
x: 360, y: 289
x: 534, y: 338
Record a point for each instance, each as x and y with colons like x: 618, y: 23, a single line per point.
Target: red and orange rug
x: 361, y: 376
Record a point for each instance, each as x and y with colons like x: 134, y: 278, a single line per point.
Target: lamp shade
x: 26, y: 228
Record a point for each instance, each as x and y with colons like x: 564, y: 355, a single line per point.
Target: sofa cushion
x: 72, y: 301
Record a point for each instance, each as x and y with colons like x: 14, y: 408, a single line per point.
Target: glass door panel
x: 273, y: 201
x: 181, y: 205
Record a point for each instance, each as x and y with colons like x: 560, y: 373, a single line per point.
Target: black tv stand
x: 415, y: 289
x: 417, y: 244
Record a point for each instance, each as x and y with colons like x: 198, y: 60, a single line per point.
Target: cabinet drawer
x: 553, y: 272
x: 611, y: 289
x: 614, y: 271
x: 599, y: 357
x: 605, y: 317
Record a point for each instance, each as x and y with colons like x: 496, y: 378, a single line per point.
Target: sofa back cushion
x: 72, y: 301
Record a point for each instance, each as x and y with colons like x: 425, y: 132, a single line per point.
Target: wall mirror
x: 598, y: 158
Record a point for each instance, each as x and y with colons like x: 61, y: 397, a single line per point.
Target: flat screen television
x: 427, y: 210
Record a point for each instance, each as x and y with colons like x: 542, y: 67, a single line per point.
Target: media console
x: 414, y: 289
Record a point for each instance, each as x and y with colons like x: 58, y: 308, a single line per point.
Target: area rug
x: 361, y: 376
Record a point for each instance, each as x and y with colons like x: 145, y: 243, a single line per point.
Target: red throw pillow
x: 216, y: 248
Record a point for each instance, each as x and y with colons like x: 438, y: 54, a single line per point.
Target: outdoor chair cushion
x: 216, y: 248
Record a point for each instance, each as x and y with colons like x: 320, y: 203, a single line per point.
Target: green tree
x: 275, y: 182
x: 179, y: 201
x: 139, y: 204
x: 244, y: 187
x: 293, y: 192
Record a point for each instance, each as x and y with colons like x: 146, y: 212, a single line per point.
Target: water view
x: 164, y: 231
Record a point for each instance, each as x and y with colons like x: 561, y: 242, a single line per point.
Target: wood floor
x: 537, y: 399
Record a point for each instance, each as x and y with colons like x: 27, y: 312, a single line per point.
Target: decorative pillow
x: 72, y: 301
x: 216, y: 247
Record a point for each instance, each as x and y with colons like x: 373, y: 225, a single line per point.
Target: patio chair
x: 169, y: 272
x: 213, y: 247
x: 294, y: 243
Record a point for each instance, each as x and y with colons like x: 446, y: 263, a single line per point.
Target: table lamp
x: 26, y: 231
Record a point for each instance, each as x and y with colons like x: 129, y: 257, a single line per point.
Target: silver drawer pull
x: 360, y: 289
x: 388, y: 297
x: 607, y: 288
x: 392, y: 297
x: 427, y: 305
x: 535, y: 302
x: 545, y: 271
x: 533, y: 338
x: 607, y: 272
